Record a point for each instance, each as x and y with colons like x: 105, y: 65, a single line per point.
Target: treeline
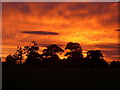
x: 49, y: 57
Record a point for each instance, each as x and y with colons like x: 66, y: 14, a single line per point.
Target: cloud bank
x: 87, y: 23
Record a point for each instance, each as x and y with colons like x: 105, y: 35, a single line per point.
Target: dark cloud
x: 44, y: 8
x: 99, y: 8
x: 108, y: 46
x: 113, y: 54
x: 117, y: 30
x: 45, y: 45
x: 17, y: 6
x: 110, y: 50
x: 61, y: 13
x: 77, y: 6
x: 92, y: 8
x: 40, y: 32
x: 25, y: 9
x: 49, y: 6
x: 109, y: 22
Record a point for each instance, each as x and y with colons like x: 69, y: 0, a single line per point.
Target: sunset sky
x: 93, y: 25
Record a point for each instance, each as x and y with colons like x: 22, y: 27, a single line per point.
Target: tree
x: 75, y: 50
x: 10, y: 59
x: 94, y: 54
x: 115, y: 64
x: 95, y: 59
x: 31, y: 52
x: 54, y: 49
x: 51, y: 51
x: 73, y: 47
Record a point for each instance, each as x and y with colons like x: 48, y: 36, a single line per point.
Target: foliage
x: 73, y: 47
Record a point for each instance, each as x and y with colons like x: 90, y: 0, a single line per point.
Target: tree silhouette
x: 54, y: 49
x: 95, y: 59
x: 45, y: 54
x: 19, y: 53
x: 94, y: 54
x: 73, y: 47
x: 50, y: 58
x: 17, y: 56
x: 31, y: 52
x: 74, y: 57
x: 10, y: 59
x: 75, y: 50
x: 115, y: 64
x: 51, y: 51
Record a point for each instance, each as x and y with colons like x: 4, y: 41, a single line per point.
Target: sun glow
x: 84, y: 23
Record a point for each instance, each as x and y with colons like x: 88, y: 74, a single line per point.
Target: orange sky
x: 93, y: 25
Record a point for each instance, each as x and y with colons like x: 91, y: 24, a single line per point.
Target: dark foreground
x: 15, y: 78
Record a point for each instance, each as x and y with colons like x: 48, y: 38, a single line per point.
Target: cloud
x: 25, y: 9
x: 45, y: 45
x: 108, y: 46
x: 112, y: 54
x: 86, y: 23
x: 117, y: 30
x: 40, y: 32
x: 110, y: 50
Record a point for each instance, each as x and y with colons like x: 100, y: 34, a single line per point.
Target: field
x: 19, y: 77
